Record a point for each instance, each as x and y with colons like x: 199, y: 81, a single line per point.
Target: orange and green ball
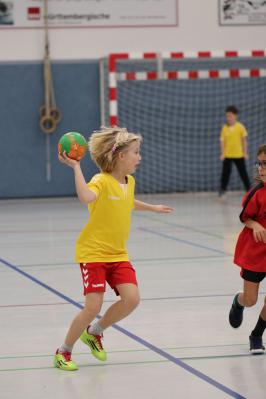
x: 74, y: 145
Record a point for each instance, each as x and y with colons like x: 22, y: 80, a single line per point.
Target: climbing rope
x: 50, y: 115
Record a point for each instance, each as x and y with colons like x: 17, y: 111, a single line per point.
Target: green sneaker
x: 95, y: 344
x: 63, y: 361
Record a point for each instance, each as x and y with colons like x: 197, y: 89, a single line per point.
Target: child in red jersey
x: 250, y: 254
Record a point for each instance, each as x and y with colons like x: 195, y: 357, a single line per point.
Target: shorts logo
x: 97, y: 285
x: 85, y: 273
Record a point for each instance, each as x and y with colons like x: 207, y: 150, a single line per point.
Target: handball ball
x: 74, y: 144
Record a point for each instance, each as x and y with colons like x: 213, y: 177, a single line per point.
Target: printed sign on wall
x: 88, y: 13
x: 242, y: 12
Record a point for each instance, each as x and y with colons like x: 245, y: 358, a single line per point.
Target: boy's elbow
x: 84, y: 199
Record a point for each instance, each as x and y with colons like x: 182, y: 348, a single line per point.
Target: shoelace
x: 98, y: 338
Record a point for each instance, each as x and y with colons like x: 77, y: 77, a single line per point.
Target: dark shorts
x: 254, y: 277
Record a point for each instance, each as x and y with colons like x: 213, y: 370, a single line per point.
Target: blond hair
x: 105, y: 145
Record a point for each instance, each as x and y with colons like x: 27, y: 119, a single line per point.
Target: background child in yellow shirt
x: 101, y: 247
x: 233, y: 143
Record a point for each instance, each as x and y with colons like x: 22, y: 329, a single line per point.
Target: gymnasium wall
x: 198, y: 30
x: 23, y: 145
x: 75, y: 54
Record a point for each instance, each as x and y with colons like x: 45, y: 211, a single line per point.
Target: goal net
x: 178, y: 106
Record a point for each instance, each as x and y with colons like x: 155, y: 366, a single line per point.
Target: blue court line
x: 141, y: 341
x: 184, y: 241
x: 133, y: 260
x: 181, y: 226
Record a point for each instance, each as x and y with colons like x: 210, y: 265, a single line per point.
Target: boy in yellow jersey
x: 233, y: 143
x: 101, y: 247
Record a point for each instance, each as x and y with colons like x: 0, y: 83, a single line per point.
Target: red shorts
x: 96, y: 274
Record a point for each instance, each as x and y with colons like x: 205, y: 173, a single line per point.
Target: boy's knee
x: 131, y: 301
x: 136, y: 301
x: 93, y: 309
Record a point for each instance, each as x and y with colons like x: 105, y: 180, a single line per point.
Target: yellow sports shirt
x: 104, y: 237
x: 232, y: 139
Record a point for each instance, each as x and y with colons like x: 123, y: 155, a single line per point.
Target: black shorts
x: 254, y: 277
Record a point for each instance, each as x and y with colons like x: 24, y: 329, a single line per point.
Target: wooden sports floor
x: 178, y: 342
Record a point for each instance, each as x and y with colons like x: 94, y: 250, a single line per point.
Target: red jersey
x: 250, y: 254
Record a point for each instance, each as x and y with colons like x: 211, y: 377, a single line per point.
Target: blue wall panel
x: 22, y: 143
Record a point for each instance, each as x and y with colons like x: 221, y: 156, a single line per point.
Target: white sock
x: 65, y: 348
x: 96, y: 329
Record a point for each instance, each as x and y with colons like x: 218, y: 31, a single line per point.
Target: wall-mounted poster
x: 242, y: 12
x: 88, y: 13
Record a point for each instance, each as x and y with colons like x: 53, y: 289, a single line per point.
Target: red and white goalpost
x: 114, y: 76
x: 176, y: 100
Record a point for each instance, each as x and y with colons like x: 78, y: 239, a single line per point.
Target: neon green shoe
x: 95, y: 344
x: 63, y: 361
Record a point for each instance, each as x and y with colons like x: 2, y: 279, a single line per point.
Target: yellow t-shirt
x: 104, y: 237
x: 232, y: 139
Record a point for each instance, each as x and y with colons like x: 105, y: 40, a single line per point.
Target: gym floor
x: 178, y: 342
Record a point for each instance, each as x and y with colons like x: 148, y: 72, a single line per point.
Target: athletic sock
x: 95, y: 329
x: 65, y: 348
x: 259, y: 329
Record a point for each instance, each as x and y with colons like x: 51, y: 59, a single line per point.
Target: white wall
x: 198, y: 30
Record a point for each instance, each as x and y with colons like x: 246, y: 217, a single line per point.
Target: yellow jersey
x: 232, y: 137
x: 104, y: 237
